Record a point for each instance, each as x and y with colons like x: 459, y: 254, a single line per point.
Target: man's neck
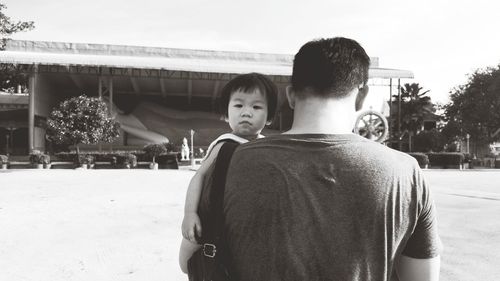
x: 323, y: 116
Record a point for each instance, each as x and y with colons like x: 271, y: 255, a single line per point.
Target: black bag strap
x: 216, y: 211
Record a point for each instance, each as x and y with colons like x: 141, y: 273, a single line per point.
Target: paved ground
x: 468, y: 204
x: 124, y: 225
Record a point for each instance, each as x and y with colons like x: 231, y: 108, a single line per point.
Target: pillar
x: 31, y: 108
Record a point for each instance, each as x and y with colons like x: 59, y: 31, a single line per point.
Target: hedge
x: 126, y: 159
x: 445, y: 159
x: 121, y: 158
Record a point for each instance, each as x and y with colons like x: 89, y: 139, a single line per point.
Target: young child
x: 248, y: 103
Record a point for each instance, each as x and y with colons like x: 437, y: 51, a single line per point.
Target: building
x: 156, y: 93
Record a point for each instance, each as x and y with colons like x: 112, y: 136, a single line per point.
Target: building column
x: 110, y: 92
x: 99, y: 89
x: 31, y: 108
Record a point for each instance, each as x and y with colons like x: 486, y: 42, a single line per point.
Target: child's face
x: 247, y: 113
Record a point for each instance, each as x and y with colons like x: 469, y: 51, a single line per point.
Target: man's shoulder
x: 383, y: 149
x: 350, y: 145
x: 379, y: 154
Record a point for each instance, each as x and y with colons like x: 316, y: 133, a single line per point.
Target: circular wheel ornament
x: 372, y: 125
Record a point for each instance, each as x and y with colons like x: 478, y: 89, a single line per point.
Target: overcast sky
x: 440, y: 41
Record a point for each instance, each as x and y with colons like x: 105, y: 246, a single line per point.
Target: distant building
x: 156, y: 93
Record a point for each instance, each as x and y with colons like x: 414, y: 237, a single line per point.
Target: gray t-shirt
x: 325, y: 207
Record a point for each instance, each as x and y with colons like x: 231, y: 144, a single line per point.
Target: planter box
x: 168, y: 161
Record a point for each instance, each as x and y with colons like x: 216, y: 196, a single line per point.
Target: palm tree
x: 415, y: 105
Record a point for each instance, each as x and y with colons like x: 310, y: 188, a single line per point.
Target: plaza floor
x: 124, y: 225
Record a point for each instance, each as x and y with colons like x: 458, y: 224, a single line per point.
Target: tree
x: 154, y: 150
x: 415, y: 105
x: 82, y: 120
x: 8, y: 27
x: 474, y: 108
x: 10, y: 75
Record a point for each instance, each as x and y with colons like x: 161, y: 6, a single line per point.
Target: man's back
x: 325, y: 207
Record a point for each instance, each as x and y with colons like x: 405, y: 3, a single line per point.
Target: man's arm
x: 420, y: 259
x: 410, y: 269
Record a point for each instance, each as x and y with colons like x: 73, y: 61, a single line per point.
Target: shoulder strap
x: 216, y: 212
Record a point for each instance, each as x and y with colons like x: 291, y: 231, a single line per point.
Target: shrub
x: 4, y: 159
x: 446, y: 159
x: 101, y: 157
x: 155, y: 150
x: 422, y: 158
x: 169, y: 146
x: 36, y: 157
x: 45, y: 159
x: 468, y: 157
x: 453, y: 146
x: 127, y: 159
x: 85, y: 159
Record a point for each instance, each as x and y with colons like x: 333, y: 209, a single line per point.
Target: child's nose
x: 246, y: 112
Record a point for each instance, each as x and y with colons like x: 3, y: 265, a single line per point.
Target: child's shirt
x: 228, y: 136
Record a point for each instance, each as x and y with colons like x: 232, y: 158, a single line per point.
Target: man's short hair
x: 330, y: 67
x: 248, y: 83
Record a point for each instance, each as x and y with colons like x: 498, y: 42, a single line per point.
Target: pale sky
x: 440, y: 41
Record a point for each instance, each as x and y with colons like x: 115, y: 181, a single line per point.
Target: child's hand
x: 191, y: 227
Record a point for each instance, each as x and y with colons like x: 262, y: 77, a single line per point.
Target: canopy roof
x: 137, y: 57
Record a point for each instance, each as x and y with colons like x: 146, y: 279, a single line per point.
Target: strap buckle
x: 209, y: 250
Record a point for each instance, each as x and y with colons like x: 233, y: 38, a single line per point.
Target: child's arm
x: 191, y: 225
x: 185, y: 253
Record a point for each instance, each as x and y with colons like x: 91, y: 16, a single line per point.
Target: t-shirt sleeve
x: 424, y: 242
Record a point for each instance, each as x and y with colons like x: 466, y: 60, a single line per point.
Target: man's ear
x: 290, y: 96
x: 360, y: 98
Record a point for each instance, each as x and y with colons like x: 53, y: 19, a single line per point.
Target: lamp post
x: 192, y: 148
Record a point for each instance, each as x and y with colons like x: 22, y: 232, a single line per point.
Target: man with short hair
x: 321, y: 203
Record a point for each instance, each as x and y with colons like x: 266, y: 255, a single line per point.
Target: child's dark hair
x: 333, y: 66
x: 249, y: 83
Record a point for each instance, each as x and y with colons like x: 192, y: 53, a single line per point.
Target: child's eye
x: 257, y: 107
x: 238, y: 105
